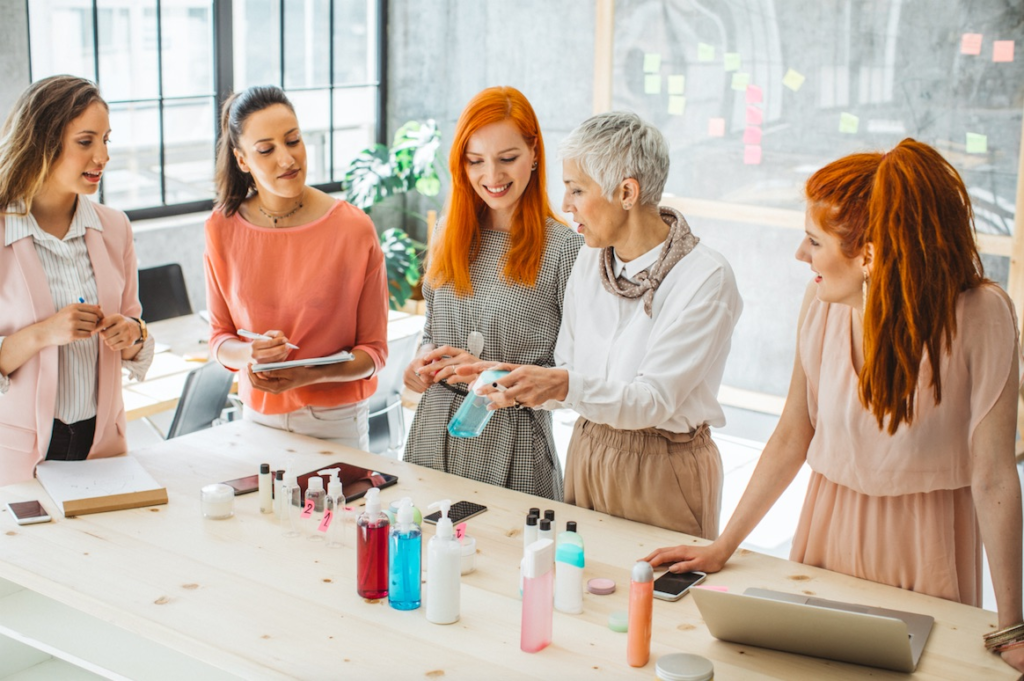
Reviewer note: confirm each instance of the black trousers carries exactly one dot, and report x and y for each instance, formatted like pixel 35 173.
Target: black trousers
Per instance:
pixel 71 441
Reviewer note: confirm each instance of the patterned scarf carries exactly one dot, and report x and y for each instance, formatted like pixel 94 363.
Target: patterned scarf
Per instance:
pixel 679 243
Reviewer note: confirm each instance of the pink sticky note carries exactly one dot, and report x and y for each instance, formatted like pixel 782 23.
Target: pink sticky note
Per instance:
pixel 307 510
pixel 970 43
pixel 754 116
pixel 752 135
pixel 325 522
pixel 712 587
pixel 1002 50
pixel 754 94
pixel 716 127
pixel 460 530
pixel 752 154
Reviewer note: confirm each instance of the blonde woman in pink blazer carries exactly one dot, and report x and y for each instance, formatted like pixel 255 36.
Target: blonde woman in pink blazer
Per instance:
pixel 69 305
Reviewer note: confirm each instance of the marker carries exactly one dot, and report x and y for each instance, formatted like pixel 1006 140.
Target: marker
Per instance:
pixel 259 336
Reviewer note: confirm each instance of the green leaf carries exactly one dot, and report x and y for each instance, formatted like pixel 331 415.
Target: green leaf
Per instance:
pixel 428 186
pixel 370 178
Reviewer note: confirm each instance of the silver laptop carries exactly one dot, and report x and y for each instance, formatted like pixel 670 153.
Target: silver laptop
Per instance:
pixel 876 637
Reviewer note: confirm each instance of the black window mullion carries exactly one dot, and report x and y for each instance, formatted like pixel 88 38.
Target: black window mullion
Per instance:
pixel 382 65
pixel 96 64
pixel 330 89
pixel 280 14
pixel 224 63
pixel 160 100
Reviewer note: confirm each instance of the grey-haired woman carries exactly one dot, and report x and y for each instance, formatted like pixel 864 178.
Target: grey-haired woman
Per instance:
pixel 647 325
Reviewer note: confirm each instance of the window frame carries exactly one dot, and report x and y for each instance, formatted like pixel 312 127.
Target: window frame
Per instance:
pixel 223 85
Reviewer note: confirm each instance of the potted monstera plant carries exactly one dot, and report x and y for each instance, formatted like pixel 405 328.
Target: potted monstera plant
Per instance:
pixel 379 173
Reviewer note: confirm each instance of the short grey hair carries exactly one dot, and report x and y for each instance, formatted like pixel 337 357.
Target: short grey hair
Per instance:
pixel 618 145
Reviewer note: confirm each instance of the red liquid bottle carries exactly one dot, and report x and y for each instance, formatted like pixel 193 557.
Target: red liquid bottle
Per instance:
pixel 372 549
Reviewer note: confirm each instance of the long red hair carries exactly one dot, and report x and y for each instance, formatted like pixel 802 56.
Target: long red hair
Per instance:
pixel 452 253
pixel 912 207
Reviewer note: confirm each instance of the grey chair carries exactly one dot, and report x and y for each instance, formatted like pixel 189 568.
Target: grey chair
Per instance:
pixel 162 293
pixel 202 400
pixel 387 419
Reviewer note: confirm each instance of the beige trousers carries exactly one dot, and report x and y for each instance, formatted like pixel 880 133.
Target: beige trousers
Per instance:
pixel 670 480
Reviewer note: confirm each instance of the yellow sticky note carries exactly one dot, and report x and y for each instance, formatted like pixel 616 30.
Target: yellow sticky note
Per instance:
pixel 848 123
pixel 732 61
pixel 976 143
pixel 793 80
pixel 676 85
pixel 705 52
pixel 652 84
pixel 676 105
pixel 740 81
pixel 652 62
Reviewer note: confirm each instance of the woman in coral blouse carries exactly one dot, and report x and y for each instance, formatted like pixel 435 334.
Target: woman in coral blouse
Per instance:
pixel 289 262
pixel 904 394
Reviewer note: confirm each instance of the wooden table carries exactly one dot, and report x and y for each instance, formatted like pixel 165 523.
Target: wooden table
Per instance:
pixel 238 596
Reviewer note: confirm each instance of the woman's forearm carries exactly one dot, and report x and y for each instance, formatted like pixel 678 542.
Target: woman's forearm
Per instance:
pixel 20 347
pixel 360 367
pixel 235 354
pixel 997 501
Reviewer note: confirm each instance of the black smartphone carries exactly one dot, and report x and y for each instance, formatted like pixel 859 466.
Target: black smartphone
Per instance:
pixel 355 481
pixel 28 512
pixel 672 586
pixel 249 483
pixel 460 510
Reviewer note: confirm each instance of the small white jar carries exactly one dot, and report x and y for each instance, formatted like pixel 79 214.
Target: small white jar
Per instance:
pixel 218 501
pixel 684 667
pixel 468 554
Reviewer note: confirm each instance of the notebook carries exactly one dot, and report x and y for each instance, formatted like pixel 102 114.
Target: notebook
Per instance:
pixel 99 485
pixel 343 356
pixel 847 632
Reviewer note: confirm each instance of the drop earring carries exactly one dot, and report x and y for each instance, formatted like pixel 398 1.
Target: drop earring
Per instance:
pixel 534 166
pixel 864 292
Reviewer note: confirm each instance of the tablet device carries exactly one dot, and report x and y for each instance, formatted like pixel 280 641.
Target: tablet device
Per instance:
pixel 355 481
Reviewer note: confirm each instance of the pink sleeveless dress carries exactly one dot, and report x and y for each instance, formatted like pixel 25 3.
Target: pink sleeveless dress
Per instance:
pixel 898 509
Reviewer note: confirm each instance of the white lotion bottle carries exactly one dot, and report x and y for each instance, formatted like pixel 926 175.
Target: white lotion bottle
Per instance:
pixel 266 489
pixel 444 570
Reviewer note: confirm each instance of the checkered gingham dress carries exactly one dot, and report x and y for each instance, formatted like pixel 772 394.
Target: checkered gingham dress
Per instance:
pixel 520 325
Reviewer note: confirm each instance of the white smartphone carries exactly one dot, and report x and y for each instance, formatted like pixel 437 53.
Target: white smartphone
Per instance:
pixel 28 512
pixel 672 586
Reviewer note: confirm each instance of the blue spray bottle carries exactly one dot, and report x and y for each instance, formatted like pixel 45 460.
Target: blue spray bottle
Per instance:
pixel 473 414
pixel 405 552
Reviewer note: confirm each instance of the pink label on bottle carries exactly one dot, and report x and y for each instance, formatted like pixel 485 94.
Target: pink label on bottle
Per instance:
pixel 307 510
pixel 460 531
pixel 326 522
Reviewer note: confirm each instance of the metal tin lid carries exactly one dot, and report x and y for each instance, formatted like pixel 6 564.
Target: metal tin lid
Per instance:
pixel 684 667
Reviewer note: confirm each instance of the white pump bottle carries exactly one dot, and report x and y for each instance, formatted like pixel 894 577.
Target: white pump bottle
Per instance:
pixel 444 570
pixel 335 505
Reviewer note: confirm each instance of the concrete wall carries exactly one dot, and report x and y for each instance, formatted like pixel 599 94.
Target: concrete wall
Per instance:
pixel 13 53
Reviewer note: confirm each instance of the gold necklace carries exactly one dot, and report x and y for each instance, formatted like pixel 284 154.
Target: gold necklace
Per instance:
pixel 281 216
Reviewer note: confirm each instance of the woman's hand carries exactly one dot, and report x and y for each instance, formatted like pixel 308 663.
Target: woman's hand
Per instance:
pixel 72 323
pixel 411 377
pixel 686 558
pixel 120 332
pixel 526 385
pixel 441 365
pixel 273 350
pixel 282 380
pixel 1014 658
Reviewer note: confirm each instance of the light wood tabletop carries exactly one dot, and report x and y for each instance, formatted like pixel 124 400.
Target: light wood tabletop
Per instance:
pixel 239 596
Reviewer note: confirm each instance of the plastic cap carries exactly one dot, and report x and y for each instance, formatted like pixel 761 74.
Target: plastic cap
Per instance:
pixel 684 667
pixel 535 511
pixel 539 559
pixel 531 521
pixel 444 525
pixel 334 486
pixel 405 511
pixel 316 484
pixel 264 468
pixel 279 475
pixel 373 501
pixel 642 572
pixel 570 526
pixel 545 525
pixel 549 515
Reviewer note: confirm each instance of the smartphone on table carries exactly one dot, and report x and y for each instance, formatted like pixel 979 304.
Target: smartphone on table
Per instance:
pixel 672 586
pixel 246 485
pixel 28 512
pixel 460 510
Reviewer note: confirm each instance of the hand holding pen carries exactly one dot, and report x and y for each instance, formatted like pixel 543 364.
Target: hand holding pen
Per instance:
pixel 264 336
pixel 273 346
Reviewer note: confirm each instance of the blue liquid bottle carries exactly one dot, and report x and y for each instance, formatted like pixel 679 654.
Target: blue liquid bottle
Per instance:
pixel 404 591
pixel 473 415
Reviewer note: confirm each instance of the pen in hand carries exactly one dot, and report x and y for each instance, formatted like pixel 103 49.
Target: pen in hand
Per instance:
pixel 259 336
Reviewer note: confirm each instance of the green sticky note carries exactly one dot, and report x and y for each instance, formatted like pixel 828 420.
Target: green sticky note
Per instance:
pixel 740 81
pixel 676 105
pixel 732 61
pixel 848 123
pixel 705 52
pixel 676 85
pixel 976 143
pixel 652 84
pixel 793 80
pixel 652 62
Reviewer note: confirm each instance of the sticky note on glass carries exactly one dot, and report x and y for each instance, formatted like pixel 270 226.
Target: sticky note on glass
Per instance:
pixel 1002 50
pixel 705 52
pixel 752 135
pixel 752 154
pixel 848 123
pixel 716 127
pixel 976 143
pixel 652 62
pixel 754 94
pixel 676 105
pixel 793 80
pixel 676 85
pixel 970 43
pixel 754 116
pixel 732 61
pixel 740 81
pixel 652 84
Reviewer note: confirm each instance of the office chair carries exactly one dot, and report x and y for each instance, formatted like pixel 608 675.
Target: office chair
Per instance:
pixel 162 293
pixel 387 420
pixel 202 400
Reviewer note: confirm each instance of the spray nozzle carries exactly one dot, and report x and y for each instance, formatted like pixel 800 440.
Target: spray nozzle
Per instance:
pixel 334 486
pixel 444 525
pixel 405 511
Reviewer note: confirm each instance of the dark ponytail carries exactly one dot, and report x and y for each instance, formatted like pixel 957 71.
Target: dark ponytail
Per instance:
pixel 233 185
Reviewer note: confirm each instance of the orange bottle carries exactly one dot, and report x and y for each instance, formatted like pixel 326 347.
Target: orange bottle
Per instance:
pixel 641 612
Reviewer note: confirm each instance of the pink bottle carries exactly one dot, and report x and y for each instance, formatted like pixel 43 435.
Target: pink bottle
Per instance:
pixel 538 595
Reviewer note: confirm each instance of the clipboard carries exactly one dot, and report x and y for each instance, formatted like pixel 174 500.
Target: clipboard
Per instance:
pixel 336 358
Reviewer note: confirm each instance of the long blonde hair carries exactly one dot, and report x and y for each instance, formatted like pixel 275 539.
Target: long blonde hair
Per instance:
pixel 32 138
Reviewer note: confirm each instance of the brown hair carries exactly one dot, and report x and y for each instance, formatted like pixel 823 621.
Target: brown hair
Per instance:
pixel 912 207
pixel 232 184
pixel 32 137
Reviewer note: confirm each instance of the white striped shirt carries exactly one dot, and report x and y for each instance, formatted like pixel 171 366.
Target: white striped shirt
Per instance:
pixel 70 276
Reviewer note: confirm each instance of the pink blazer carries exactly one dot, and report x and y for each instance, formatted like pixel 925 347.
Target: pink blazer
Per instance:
pixel 26 410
